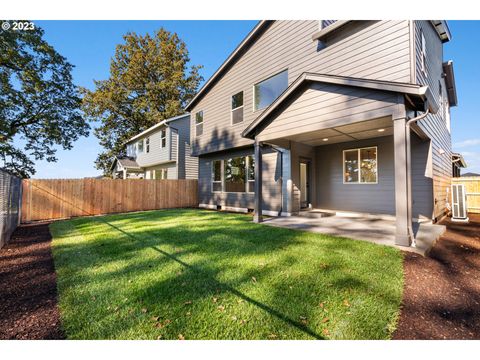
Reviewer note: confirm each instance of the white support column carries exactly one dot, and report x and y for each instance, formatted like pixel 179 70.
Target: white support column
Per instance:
pixel 124 174
pixel 257 216
pixel 403 201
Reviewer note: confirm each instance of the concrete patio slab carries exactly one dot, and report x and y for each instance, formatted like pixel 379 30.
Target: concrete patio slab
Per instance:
pixel 376 229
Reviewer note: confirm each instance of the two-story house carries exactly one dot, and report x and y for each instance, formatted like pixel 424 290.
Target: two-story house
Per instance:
pixel 337 115
pixel 162 151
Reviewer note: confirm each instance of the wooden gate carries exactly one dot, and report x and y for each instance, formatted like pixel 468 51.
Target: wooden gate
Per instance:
pixel 64 198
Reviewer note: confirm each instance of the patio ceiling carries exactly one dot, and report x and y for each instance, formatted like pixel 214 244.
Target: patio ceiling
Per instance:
pixel 357 131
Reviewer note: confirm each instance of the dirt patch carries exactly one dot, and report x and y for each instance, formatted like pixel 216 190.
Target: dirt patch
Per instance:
pixel 28 290
pixel 442 291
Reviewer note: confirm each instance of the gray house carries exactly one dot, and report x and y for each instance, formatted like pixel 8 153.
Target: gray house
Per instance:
pixel 160 152
pixel 337 115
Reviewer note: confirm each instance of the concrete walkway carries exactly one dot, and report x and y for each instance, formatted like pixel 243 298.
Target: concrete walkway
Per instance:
pixel 376 229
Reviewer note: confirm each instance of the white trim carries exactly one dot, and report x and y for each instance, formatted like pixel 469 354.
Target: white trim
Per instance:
pixel 359 166
pixel 270 213
pixel 161 123
pixel 235 209
pixel 261 81
pixel 238 107
pixel 207 206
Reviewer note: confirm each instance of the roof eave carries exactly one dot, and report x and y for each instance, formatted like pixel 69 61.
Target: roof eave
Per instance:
pixel 450 82
pixel 442 29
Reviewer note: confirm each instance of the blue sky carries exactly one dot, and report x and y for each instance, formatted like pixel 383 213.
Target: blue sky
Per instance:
pixel 89 45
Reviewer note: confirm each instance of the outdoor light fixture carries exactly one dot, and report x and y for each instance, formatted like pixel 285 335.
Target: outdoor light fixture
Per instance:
pixel 325 139
pixel 381 130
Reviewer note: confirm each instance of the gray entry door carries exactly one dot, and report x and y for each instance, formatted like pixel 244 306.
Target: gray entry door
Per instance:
pixel 304 184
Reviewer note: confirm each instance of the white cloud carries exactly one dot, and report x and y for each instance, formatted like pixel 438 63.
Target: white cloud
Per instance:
pixel 467 143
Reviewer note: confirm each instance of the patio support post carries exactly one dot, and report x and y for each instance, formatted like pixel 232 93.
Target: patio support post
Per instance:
pixel 257 216
pixel 124 174
pixel 403 203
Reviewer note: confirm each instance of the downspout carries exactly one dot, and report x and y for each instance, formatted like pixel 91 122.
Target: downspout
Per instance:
pixel 409 169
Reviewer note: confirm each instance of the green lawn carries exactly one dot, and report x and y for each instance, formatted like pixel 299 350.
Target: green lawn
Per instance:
pixel 197 274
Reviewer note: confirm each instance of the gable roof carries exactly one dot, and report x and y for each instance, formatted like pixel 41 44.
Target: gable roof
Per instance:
pixel 127 162
pixel 440 26
pixel 249 39
pixel 156 126
pixel 414 91
pixel 458 158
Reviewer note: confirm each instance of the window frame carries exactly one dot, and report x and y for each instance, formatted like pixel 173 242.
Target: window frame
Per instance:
pixel 147 144
pixel 261 81
pixel 138 147
pixel 238 107
pixel 163 138
pixel 213 176
pixel 197 124
pixel 423 53
pixel 359 151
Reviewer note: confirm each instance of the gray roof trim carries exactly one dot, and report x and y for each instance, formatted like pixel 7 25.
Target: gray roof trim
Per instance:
pixel 450 82
pixel 461 160
pixel 320 34
pixel 442 29
pixel 233 56
pixel 403 88
pixel 156 126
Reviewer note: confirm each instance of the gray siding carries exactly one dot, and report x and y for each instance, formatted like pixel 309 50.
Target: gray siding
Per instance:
pixel 367 49
pixel 321 106
pixel 435 125
pixel 333 194
pixel 271 182
pixel 157 154
pixel 422 182
pixel 187 164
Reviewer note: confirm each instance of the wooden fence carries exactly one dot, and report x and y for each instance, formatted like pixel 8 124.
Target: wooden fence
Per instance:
pixel 65 198
pixel 472 189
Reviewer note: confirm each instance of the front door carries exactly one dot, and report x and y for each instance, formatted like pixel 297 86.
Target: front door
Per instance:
pixel 304 184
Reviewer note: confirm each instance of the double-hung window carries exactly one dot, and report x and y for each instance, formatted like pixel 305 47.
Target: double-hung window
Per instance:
pixel 266 91
pixel 237 108
pixel 163 138
pixel 360 166
pixel 217 176
pixel 199 123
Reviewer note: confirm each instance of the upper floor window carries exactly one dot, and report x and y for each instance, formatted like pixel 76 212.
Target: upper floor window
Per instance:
pixel 265 92
pixel 423 59
pixel 140 147
pixel 147 145
pixel 199 123
pixel 237 108
pixel 360 166
pixel 163 138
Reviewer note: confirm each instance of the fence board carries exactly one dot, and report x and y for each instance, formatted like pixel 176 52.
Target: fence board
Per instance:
pixel 472 189
pixel 44 199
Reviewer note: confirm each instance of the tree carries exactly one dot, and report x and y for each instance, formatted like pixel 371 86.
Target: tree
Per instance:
pixel 150 81
pixel 39 104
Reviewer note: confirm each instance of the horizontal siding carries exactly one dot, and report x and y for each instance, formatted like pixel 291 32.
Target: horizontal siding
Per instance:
pixel 157 154
pixel 422 182
pixel 320 105
pixel 271 182
pixel 435 124
pixel 369 198
pixel 367 49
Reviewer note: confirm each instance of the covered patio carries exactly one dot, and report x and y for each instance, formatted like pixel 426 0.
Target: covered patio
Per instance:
pixel 321 118
pixel 378 229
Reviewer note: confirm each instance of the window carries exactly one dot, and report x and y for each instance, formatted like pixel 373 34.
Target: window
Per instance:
pixel 140 146
pixel 250 174
pixel 265 92
pixel 237 108
pixel 163 138
pixel 147 145
pixel 199 123
pixel 161 174
pixel 235 174
pixel 217 176
pixel 360 166
pixel 423 60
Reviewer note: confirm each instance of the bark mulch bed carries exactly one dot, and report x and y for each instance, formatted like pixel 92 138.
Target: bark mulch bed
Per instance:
pixel 28 290
pixel 442 291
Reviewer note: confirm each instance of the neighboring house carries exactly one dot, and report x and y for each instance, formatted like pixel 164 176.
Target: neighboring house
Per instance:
pixel 470 174
pixel 160 152
pixel 458 162
pixel 315 114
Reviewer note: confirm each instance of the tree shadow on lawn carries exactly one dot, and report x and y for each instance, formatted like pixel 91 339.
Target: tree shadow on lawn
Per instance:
pixel 199 282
